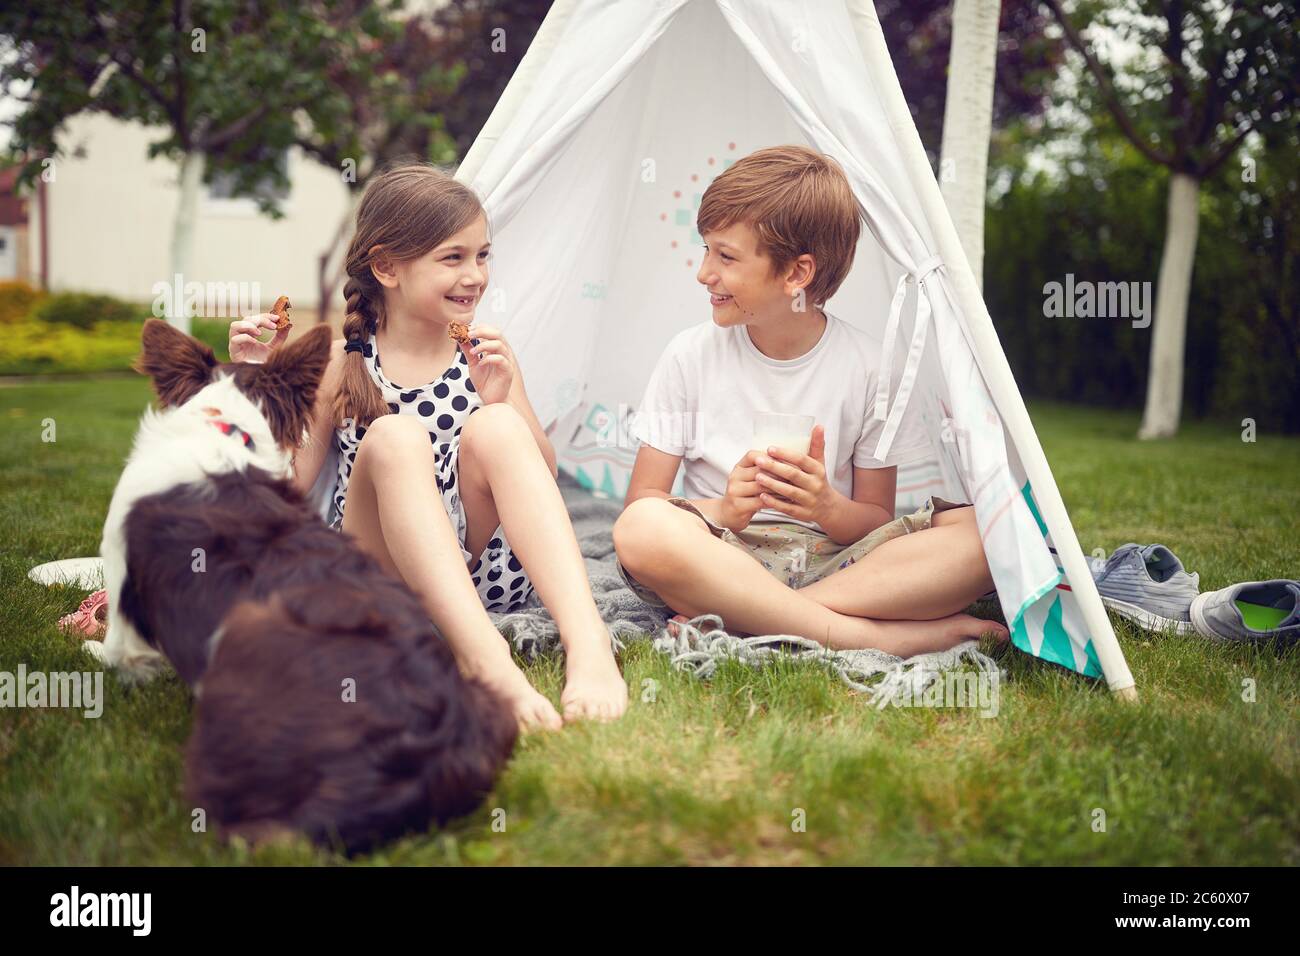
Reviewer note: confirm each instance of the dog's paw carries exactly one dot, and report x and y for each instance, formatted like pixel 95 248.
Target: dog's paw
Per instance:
pixel 141 668
pixel 96 650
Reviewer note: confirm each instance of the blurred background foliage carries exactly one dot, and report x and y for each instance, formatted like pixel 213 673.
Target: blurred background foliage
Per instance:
pixel 1102 219
pixel 1068 193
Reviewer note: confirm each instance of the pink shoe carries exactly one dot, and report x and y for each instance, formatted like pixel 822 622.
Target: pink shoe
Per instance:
pixel 90 620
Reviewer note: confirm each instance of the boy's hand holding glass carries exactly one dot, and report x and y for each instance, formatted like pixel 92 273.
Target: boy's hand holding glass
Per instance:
pixel 491 363
pixel 795 484
pixel 741 502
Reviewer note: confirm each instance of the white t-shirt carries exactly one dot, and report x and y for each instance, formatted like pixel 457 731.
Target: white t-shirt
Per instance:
pixel 711 381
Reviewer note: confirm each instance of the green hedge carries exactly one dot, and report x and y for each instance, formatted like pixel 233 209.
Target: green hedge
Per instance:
pixel 73 332
pixel 1103 220
pixel 17 300
pixel 34 347
pixel 86 310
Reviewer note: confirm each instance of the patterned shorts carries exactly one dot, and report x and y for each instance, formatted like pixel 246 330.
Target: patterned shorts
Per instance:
pixel 795 555
pixel 501 581
pixel 499 578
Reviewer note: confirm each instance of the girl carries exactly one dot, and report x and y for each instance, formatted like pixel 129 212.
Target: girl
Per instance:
pixel 445 474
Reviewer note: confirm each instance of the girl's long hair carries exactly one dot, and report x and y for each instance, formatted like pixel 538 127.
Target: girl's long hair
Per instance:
pixel 406 211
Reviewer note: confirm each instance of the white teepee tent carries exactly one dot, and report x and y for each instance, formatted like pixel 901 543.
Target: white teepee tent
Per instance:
pixel 591 168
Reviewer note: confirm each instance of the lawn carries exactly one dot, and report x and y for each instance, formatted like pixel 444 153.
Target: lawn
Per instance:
pixel 718 772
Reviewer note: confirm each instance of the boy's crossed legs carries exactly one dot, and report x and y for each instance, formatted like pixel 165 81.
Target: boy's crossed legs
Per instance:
pixel 901 597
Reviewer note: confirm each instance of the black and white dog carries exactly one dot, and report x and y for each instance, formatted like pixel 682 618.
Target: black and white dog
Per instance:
pixel 327 703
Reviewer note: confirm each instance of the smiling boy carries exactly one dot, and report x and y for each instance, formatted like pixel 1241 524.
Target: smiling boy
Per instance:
pixel 771 540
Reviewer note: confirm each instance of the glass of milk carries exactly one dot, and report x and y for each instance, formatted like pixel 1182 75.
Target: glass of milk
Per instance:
pixel 790 432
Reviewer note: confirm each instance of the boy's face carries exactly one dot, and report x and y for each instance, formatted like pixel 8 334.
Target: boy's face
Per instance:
pixel 739 278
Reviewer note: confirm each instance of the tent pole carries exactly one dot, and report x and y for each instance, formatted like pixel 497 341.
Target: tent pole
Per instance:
pixel 989 355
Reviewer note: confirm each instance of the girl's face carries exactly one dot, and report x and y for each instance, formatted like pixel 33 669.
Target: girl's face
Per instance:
pixel 446 283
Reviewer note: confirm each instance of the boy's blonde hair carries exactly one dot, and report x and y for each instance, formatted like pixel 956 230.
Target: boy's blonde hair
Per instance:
pixel 798 201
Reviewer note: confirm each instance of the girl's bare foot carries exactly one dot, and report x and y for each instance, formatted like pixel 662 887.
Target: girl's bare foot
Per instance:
pixel 593 687
pixel 532 710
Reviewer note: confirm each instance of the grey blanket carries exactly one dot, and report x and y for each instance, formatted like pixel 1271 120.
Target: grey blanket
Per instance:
pixel 702 644
pixel 531 629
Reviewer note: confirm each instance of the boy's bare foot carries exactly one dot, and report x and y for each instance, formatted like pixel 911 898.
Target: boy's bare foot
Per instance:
pixel 999 631
pixel 593 687
pixel 903 638
pixel 907 638
pixel 532 710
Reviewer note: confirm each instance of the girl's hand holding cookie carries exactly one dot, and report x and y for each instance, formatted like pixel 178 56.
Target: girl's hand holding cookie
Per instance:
pixel 491 363
pixel 245 337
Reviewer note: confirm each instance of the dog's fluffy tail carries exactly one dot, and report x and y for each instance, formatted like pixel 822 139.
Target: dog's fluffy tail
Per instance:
pixel 337 721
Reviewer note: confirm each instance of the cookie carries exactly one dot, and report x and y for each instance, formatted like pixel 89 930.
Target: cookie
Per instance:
pixel 281 312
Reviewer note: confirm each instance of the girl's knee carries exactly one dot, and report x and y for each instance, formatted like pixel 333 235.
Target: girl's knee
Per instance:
pixel 494 429
pixel 393 435
pixel 498 418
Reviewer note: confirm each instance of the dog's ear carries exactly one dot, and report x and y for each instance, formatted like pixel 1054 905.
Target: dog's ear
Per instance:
pixel 286 385
pixel 178 365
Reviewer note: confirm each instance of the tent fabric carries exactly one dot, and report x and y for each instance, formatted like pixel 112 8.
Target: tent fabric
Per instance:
pixel 591 169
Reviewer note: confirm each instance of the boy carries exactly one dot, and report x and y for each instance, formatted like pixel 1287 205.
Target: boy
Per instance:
pixel 771 540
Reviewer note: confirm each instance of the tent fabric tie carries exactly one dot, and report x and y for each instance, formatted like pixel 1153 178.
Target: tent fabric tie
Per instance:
pixel 893 417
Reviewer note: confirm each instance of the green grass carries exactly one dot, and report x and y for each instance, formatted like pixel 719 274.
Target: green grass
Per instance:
pixel 713 773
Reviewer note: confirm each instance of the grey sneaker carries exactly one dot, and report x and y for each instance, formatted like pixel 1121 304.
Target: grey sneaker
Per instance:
pixel 1148 585
pixel 1250 611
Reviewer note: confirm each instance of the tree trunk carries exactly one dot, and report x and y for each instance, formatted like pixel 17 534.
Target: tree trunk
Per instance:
pixel 1165 381
pixel 967 122
pixel 330 264
pixel 182 246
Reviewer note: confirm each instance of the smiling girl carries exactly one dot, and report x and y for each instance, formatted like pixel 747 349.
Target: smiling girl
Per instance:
pixel 445 474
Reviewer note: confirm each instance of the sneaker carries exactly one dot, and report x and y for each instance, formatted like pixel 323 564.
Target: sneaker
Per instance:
pixel 1249 611
pixel 1149 586
pixel 90 620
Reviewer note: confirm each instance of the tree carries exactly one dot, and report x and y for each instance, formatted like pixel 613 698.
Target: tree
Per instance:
pixel 968 121
pixel 1204 76
pixel 487 39
pixel 431 89
pixel 202 70
pixel 386 112
pixel 918 33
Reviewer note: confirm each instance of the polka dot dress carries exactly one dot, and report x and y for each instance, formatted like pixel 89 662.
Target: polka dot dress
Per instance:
pixel 441 407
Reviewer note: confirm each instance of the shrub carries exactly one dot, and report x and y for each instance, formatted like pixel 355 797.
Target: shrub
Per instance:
pixel 32 347
pixel 84 310
pixel 17 300
pixel 216 333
